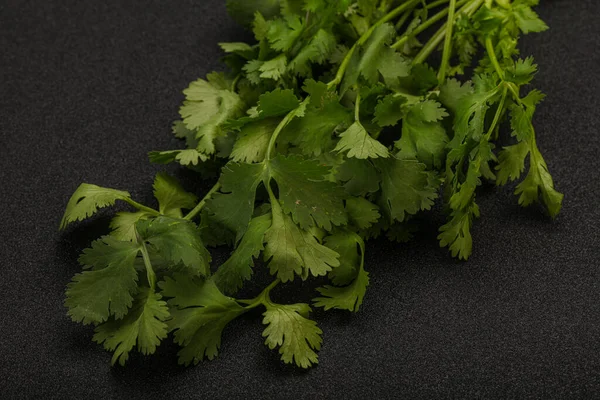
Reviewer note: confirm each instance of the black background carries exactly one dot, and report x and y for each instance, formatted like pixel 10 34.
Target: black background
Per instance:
pixel 87 88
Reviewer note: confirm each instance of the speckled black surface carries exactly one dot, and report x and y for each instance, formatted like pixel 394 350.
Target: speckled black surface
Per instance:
pixel 87 88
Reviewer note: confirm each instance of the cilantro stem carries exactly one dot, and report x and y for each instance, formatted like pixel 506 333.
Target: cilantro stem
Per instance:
pixel 425 25
pixel 447 43
pixel 262 299
pixel 202 203
pixel 141 207
pixel 363 39
pixel 284 122
pixel 489 47
pixel 437 38
pixel 357 108
pixel 146 257
pixel 498 114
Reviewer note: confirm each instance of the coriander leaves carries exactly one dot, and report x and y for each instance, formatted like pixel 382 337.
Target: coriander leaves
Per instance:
pixel 328 130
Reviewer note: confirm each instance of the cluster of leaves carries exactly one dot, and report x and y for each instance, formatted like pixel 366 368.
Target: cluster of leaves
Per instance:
pixel 295 126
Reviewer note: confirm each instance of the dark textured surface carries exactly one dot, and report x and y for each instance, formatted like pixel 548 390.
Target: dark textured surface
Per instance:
pixel 87 88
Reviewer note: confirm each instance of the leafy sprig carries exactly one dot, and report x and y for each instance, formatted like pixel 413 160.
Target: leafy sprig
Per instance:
pixel 295 126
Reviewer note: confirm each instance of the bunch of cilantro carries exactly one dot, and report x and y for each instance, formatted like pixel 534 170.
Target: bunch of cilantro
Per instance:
pixel 294 127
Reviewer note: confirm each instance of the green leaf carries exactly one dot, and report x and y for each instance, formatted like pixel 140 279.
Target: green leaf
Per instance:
pixel 244 10
pixel 373 52
pixel 317 51
pixel 360 176
pixel 297 336
pixel 206 108
pixel 171 196
pixel 177 241
pixel 390 110
pixel 233 207
pixel 93 296
pixel 283 32
pixel 521 72
pixel 527 19
pixel 306 194
pixel 143 325
pixel 344 243
pixel 423 137
pixel 291 250
pixel 123 224
pixel 200 313
pixel 344 298
pixel 362 212
pixel 274 69
pixel 253 140
pixel 313 133
pixel 538 181
pixel 511 162
pixel 359 144
pixel 456 234
pixel 87 199
pixel 405 187
pixel 238 268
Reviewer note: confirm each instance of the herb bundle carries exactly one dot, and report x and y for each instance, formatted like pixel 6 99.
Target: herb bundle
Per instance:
pixel 330 130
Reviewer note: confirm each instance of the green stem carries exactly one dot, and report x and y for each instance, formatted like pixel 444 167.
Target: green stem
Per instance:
pixel 363 39
pixel 262 299
pixel 498 114
pixel 489 47
pixel 146 257
pixel 437 38
pixel 284 122
pixel 202 203
pixel 447 43
pixel 357 108
pixel 427 24
pixel 141 207
pixel 404 17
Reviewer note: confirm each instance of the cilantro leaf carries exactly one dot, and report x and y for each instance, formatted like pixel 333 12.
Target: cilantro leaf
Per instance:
pixel 423 137
pixel 511 162
pixel 306 194
pixel 233 207
pixel 177 241
pixel 199 312
pixel 238 268
pixel 87 199
pixel 297 336
pixel 290 250
pixel 358 143
pixel 538 181
pixel 349 297
pixel 253 139
pixel 93 296
pixel 171 196
pixel 405 186
pixel 362 212
pixel 360 176
pixel 123 224
pixel 390 110
pixel 143 325
pixel 457 232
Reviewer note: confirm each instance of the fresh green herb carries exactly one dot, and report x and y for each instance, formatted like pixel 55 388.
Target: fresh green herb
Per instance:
pixel 295 126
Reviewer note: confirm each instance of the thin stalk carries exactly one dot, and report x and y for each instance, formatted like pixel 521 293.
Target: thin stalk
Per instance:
pixel 202 203
pixel 498 114
pixel 489 47
pixel 363 39
pixel 146 257
pixel 427 24
pixel 284 122
pixel 447 43
pixel 357 108
pixel 262 299
pixel 141 207
pixel 435 41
